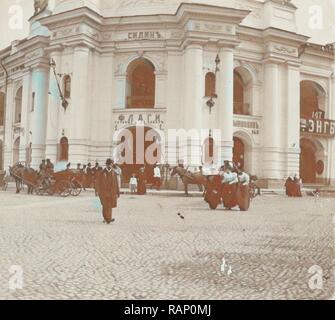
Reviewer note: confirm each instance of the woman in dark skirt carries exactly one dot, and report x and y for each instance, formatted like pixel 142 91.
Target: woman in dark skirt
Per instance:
pixel 141 188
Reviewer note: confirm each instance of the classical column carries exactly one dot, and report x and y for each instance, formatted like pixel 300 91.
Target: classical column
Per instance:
pixel 8 143
pixel 40 81
pixel 193 103
pixel 54 105
pixel 293 118
pixel 271 122
pixel 225 91
pixel 174 103
pixel 78 111
pixel 26 109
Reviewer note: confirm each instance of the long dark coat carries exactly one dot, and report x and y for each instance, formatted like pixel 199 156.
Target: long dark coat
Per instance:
pixel 107 188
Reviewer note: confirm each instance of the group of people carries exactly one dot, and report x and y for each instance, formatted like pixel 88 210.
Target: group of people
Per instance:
pixel 293 186
pixel 137 183
pixel 231 174
pixel 46 171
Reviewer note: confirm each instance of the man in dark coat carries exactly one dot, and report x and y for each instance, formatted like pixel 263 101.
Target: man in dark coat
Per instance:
pixel 108 190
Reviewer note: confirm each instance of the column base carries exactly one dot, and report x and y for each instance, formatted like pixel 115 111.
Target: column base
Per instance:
pixel 37 155
pixel 271 183
pixel 51 152
pixel 225 152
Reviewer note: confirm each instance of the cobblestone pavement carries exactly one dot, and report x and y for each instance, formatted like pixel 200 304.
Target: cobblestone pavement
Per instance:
pixel 152 253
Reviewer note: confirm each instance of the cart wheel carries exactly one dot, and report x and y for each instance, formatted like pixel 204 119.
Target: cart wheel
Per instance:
pixel 76 189
pixel 64 189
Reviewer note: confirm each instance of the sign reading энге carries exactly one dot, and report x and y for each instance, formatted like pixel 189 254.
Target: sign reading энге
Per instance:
pixel 318 126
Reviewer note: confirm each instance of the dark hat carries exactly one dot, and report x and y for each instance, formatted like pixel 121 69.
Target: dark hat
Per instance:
pixel 109 162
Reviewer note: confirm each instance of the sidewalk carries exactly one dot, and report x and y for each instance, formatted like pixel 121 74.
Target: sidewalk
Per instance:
pixel 195 194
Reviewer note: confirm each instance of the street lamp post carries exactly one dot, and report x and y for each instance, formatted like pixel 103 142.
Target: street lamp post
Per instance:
pixel 65 103
pixel 211 102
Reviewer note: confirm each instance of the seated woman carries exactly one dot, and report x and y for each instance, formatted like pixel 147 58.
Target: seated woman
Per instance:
pixel 229 187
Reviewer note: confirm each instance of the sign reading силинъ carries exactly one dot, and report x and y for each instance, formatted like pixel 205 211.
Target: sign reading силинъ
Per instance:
pixel 322 127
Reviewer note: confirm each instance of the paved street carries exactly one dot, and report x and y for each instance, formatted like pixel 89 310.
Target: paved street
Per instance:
pixel 152 253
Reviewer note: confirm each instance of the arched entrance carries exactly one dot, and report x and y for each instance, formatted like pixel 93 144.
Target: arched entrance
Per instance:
pixel 139 146
pixel 16 151
pixel 239 153
pixel 308 161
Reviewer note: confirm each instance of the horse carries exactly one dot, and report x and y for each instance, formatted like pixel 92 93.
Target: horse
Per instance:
pixel 23 175
pixel 196 178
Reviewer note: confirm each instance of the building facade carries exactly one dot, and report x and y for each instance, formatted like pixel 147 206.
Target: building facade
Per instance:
pixel 239 67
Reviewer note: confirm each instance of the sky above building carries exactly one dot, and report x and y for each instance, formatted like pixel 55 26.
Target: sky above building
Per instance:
pixel 321 31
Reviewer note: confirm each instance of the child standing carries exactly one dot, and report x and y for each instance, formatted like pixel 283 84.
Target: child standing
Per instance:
pixel 133 184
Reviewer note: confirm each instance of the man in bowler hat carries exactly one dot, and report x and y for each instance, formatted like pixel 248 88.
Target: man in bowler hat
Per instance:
pixel 108 190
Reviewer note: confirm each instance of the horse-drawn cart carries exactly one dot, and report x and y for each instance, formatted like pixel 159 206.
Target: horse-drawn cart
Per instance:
pixel 63 183
pixel 231 196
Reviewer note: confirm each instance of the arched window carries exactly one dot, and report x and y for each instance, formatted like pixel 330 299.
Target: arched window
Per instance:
pixel 238 94
pixel 16 151
pixel 64 149
pixel 312 100
pixel 2 108
pixel 141 83
pixel 18 106
pixel 210 85
pixel 243 91
pixel 208 151
pixel 67 87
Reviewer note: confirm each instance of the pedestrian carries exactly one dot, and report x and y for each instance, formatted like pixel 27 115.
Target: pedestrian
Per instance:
pixel 108 190
pixel 157 177
pixel 142 180
pixel 133 184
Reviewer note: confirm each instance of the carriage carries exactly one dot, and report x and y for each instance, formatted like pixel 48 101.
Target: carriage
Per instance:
pixel 63 183
pixel 231 196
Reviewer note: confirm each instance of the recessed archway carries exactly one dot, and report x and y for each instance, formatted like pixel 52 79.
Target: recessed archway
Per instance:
pixel 242 91
pixel 63 149
pixel 16 151
pixel 239 153
pixel 312 161
pixel 139 146
pixel 18 106
pixel 312 100
pixel 141 84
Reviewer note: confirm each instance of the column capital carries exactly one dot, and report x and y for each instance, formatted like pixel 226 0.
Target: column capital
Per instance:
pixel 228 44
pixel 296 65
pixel 82 48
pixel 194 43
